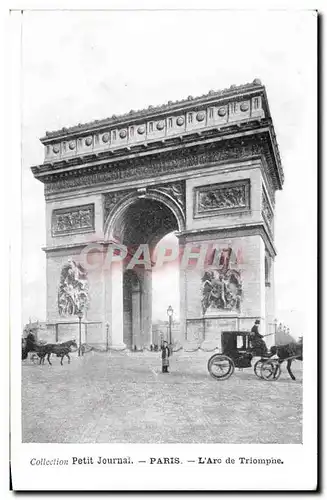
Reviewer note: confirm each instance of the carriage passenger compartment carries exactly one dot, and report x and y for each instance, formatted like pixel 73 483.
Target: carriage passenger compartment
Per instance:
pixel 232 341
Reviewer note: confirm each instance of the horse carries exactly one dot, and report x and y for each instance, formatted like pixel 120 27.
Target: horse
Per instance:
pixel 61 350
pixel 288 352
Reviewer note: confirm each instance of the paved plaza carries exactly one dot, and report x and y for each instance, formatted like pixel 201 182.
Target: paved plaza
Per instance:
pixel 121 397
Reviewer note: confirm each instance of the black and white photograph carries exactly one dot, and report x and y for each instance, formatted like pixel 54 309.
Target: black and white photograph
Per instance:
pixel 168 249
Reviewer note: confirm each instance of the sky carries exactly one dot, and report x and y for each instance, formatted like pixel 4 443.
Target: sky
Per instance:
pixel 81 66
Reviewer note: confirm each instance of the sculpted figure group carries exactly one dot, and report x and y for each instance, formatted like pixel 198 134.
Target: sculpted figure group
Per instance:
pixel 73 289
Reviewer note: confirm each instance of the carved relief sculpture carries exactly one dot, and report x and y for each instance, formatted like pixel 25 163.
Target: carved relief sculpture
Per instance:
pixel 176 191
pixel 111 200
pixel 266 210
pixel 73 220
pixel 73 293
pixel 223 197
pixel 222 287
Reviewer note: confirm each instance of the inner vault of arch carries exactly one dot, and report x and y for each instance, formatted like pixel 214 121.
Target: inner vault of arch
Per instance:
pixel 140 221
pixel 144 221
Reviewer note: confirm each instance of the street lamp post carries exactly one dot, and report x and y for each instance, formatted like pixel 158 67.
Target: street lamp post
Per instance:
pixel 80 316
pixel 170 312
pixel 107 336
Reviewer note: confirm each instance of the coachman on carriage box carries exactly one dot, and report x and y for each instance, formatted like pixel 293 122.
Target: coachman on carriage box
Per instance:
pixel 257 342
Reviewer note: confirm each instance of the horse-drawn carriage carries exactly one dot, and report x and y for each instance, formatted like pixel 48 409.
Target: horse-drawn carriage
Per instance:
pixel 37 351
pixel 238 352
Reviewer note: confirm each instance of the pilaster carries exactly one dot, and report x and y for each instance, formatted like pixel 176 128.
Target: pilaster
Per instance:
pixel 116 299
pixel 146 307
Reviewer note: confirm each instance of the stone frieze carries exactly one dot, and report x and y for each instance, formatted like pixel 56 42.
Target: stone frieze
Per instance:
pixel 221 198
pixel 181 161
pixel 72 220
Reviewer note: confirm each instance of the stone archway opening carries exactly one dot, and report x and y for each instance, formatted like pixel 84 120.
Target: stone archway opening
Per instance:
pixel 145 223
pixel 166 288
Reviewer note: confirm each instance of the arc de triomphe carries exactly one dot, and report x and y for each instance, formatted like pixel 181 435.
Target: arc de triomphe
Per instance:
pixel 208 169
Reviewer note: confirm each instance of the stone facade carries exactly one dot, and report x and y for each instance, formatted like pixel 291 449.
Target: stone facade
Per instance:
pixel 206 168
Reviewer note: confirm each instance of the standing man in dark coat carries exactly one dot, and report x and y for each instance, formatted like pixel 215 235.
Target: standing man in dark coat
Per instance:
pixel 30 340
pixel 165 353
pixel 28 344
pixel 257 342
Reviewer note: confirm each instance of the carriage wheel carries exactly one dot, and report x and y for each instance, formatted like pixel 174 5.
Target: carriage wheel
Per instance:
pixel 257 368
pixel 221 367
pixel 270 370
pixel 35 359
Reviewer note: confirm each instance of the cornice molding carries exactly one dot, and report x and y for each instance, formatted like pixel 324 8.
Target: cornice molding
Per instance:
pixel 232 231
pixel 156 165
pixel 78 246
pixel 167 144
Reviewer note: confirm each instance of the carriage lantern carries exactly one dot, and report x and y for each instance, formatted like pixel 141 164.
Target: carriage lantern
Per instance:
pixel 170 312
pixel 80 316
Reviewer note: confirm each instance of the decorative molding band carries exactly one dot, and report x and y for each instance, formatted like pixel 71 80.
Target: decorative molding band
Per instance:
pixel 73 220
pixel 233 231
pixel 72 248
pixel 222 198
pixel 178 161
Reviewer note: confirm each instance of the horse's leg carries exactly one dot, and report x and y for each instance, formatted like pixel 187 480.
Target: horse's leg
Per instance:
pixel 68 358
pixel 48 358
pixel 273 352
pixel 289 364
pixel 62 357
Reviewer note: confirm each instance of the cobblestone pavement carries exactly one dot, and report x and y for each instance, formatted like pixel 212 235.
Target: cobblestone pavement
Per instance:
pixel 120 397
